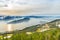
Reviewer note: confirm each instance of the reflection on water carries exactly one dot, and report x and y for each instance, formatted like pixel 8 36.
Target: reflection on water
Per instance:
pixel 19 26
pixel 9 27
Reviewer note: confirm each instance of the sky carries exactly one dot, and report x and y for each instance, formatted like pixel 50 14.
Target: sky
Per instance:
pixel 30 7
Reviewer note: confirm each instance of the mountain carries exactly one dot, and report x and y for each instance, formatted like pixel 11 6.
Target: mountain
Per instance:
pixel 19 21
pixel 52 24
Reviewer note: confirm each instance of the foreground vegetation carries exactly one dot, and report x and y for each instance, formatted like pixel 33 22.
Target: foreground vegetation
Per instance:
pixel 53 34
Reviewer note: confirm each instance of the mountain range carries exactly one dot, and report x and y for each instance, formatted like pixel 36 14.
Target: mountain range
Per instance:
pixel 19 19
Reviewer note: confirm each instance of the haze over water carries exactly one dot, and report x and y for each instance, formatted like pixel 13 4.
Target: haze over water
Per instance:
pixel 33 20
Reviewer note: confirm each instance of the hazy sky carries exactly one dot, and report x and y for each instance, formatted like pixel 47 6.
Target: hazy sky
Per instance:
pixel 29 7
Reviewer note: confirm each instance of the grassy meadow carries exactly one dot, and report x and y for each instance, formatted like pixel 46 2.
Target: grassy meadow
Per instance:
pixel 53 34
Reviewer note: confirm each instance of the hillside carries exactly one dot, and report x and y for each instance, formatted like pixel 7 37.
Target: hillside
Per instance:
pixel 52 24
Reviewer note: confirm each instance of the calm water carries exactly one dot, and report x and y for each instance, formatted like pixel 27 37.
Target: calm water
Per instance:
pixel 33 21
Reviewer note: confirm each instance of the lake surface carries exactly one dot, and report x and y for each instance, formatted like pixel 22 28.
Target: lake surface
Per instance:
pixel 19 26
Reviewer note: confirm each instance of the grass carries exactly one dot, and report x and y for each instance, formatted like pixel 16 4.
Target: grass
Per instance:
pixel 53 34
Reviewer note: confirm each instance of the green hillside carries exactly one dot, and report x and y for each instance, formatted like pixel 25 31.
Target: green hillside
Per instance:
pixel 52 24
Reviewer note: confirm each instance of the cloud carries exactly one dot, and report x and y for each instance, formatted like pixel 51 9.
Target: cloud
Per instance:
pixel 33 7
